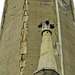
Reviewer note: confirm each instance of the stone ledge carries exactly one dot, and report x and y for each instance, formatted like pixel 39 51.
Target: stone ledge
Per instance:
pixel 46 72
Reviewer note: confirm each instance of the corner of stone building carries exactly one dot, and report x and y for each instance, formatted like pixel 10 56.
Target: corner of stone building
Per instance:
pixel 3 17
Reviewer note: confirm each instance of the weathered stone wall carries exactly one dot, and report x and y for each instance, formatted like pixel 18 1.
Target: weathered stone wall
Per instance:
pixel 68 41
pixel 39 11
pixel 10 38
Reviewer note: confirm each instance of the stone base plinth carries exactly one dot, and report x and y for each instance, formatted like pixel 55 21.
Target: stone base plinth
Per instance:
pixel 46 72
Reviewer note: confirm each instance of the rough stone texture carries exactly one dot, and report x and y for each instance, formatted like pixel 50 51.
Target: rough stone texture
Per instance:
pixel 39 11
pixel 46 72
pixel 68 41
pixel 10 38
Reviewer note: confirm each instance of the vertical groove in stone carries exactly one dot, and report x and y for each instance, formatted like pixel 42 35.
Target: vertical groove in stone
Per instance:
pixel 23 44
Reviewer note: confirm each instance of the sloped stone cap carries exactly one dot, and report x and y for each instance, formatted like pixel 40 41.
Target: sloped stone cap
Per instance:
pixel 46 72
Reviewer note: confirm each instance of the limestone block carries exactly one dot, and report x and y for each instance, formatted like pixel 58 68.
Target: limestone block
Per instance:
pixel 22 63
pixel 26 7
pixel 24 25
pixel 24 31
pixel 25 18
pixel 23 48
pixel 25 12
